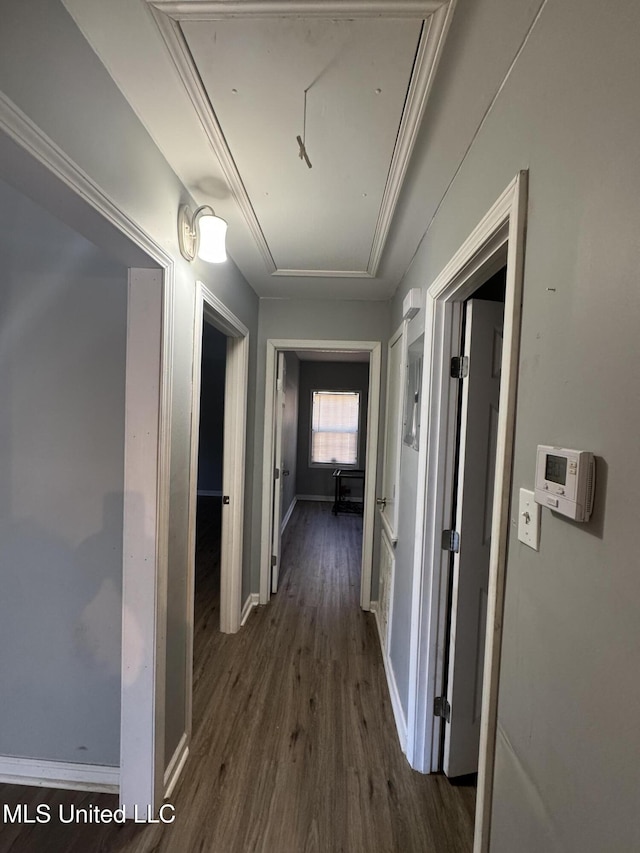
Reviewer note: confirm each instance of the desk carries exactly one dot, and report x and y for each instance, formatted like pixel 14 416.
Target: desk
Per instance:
pixel 339 504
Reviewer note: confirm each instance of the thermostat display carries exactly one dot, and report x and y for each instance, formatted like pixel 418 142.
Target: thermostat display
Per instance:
pixel 565 481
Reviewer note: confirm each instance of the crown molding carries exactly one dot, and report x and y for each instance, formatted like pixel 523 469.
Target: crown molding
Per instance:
pixel 216 10
pixel 434 31
pixel 18 127
pixel 322 273
pixel 435 15
pixel 186 67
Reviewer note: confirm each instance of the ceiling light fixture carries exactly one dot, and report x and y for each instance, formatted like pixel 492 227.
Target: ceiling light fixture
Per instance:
pixel 202 233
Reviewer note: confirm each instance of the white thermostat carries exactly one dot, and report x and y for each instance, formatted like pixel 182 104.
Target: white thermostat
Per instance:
pixel 565 481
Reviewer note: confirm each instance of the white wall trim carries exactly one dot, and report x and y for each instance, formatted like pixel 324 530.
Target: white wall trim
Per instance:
pixel 174 768
pixel 394 694
pixel 498 237
pixel 436 16
pixel 253 600
pixel 288 514
pixel 59 774
pixel 374 349
pixel 400 335
pixel 145 537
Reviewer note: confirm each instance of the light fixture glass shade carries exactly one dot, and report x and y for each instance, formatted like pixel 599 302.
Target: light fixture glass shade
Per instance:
pixel 213 232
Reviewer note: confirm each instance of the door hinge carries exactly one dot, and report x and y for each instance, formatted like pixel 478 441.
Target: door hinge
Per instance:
pixel 451 541
pixel 276 473
pixel 274 560
pixel 225 500
pixel 459 367
pixel 441 708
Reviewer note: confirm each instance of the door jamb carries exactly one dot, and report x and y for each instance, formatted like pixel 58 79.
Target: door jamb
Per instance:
pixel 208 306
pixel 401 338
pixel 373 409
pixel 499 236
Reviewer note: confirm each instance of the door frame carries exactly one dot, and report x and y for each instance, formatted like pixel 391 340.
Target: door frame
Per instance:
pixel 497 239
pixel 210 309
pixel 274 346
pixel 400 337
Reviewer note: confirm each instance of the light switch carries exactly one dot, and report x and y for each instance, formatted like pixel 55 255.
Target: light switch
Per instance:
pixel 529 520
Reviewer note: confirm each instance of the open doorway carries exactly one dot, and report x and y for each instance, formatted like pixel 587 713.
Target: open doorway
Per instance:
pixel 478 375
pixel 320 446
pixel 209 485
pixel 496 242
pixel 322 469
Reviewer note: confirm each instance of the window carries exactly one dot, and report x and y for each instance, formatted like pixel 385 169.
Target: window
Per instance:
pixel 334 427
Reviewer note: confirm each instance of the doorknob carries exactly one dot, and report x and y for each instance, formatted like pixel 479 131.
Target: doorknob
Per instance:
pixel 381 502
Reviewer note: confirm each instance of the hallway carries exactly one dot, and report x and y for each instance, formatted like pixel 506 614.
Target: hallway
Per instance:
pixel 294 745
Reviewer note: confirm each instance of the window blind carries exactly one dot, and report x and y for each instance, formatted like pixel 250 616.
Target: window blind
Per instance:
pixel 334 427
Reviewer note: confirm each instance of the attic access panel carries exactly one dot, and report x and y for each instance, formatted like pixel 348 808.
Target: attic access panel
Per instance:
pixel 357 73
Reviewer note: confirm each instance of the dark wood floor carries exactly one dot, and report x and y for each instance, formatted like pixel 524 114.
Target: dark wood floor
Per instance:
pixel 294 747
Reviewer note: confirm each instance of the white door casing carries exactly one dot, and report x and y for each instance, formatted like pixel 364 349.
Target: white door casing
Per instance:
pixel 396 361
pixel 276 546
pixel 233 478
pixel 498 238
pixel 480 398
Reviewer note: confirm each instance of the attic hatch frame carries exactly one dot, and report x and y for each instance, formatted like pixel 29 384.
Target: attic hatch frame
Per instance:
pixel 500 232
pixel 436 16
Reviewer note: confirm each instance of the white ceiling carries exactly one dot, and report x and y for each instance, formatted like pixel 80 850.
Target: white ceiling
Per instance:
pixel 220 85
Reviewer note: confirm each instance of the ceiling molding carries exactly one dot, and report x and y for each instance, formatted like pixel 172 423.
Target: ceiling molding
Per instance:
pixel 18 127
pixel 188 72
pixel 436 16
pixel 434 30
pixel 217 10
pixel 323 273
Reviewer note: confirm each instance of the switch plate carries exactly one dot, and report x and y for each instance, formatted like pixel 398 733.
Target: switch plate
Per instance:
pixel 529 520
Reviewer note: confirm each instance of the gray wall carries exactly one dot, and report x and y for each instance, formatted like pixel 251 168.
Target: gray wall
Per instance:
pixel 328 376
pixel 72 98
pixel 63 317
pixel 290 430
pixel 210 450
pixel 567 774
pixel 311 319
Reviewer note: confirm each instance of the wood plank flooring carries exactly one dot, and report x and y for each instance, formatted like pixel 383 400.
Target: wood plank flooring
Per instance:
pixel 294 747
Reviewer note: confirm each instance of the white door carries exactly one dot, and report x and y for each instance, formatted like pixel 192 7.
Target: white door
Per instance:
pixel 474 508
pixel 387 502
pixel 277 474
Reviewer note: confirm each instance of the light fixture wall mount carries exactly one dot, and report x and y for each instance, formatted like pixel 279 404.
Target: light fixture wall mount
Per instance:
pixel 201 233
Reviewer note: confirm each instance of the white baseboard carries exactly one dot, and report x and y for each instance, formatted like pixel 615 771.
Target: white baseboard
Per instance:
pixel 394 695
pixel 204 493
pixel 59 774
pixel 288 515
pixel 174 769
pixel 327 498
pixel 253 600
